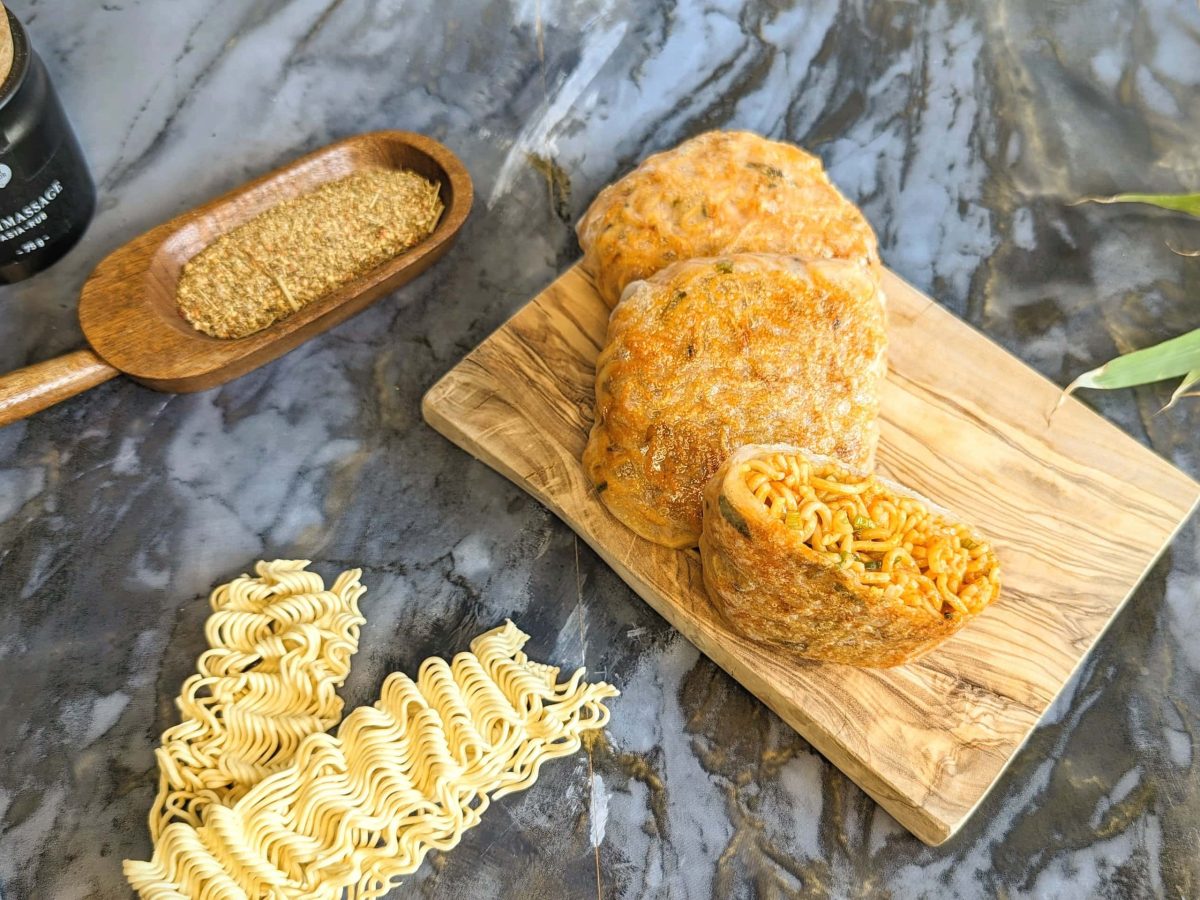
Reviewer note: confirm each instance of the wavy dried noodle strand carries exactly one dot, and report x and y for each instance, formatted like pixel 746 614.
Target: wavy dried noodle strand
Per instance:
pixel 914 555
pixel 410 774
pixel 280 646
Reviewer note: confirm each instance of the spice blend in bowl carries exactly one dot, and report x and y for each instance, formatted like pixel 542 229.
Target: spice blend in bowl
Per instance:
pixel 305 248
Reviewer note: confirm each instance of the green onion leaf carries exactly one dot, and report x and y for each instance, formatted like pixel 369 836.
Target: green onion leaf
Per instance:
pixel 772 172
pixel 873 565
pixel 1170 359
pixel 724 266
pixel 675 300
pixel 1184 203
pixel 732 516
pixel 861 523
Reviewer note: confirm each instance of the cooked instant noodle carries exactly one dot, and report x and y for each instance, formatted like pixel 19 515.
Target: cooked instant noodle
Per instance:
pixel 280 646
pixel 836 564
pixel 719 193
pixel 353 813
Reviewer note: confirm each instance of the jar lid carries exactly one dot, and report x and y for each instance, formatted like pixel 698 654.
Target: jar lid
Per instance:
pixel 20 62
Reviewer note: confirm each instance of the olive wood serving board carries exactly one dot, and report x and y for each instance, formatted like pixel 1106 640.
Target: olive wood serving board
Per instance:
pixel 1077 510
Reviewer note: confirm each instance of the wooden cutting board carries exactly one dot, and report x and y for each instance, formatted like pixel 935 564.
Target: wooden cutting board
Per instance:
pixel 1077 511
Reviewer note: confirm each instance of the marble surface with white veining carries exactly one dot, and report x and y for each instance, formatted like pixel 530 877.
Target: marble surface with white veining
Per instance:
pixel 965 129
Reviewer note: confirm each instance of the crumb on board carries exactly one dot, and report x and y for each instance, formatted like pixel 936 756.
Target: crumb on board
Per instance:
pixel 305 248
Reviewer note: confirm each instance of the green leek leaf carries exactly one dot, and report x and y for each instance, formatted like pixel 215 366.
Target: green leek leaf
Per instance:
pixel 1177 357
pixel 1170 359
pixel 1191 379
pixel 1184 203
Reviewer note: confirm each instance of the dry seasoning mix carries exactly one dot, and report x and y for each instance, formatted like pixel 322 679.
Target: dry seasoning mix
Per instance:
pixel 305 248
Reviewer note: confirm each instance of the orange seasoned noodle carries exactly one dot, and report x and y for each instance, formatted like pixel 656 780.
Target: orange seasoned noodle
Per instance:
pixel 888 542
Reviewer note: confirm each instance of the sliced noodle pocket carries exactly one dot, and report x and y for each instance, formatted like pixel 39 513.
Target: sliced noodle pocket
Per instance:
pixel 834 564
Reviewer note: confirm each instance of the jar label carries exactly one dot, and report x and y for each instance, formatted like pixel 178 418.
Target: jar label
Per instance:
pixel 28 225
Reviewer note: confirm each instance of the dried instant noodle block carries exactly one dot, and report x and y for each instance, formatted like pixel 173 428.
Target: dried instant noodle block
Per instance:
pixel 280 646
pixel 356 811
pixel 806 553
pixel 718 193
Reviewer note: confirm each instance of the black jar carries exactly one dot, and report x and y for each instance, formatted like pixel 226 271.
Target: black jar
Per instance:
pixel 46 193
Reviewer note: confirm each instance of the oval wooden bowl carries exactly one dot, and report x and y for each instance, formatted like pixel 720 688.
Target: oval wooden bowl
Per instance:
pixel 127 305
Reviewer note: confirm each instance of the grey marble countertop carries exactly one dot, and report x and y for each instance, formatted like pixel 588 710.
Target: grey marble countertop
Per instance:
pixel 964 129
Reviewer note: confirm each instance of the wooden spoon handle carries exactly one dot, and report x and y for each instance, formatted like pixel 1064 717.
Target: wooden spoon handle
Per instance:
pixel 36 387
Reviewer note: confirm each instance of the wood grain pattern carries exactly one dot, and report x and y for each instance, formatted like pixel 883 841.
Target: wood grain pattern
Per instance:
pixel 40 386
pixel 127 307
pixel 1077 510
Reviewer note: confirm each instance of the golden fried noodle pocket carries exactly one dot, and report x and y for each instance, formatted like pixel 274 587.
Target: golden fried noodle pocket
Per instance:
pixel 836 565
pixel 709 355
pixel 719 193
